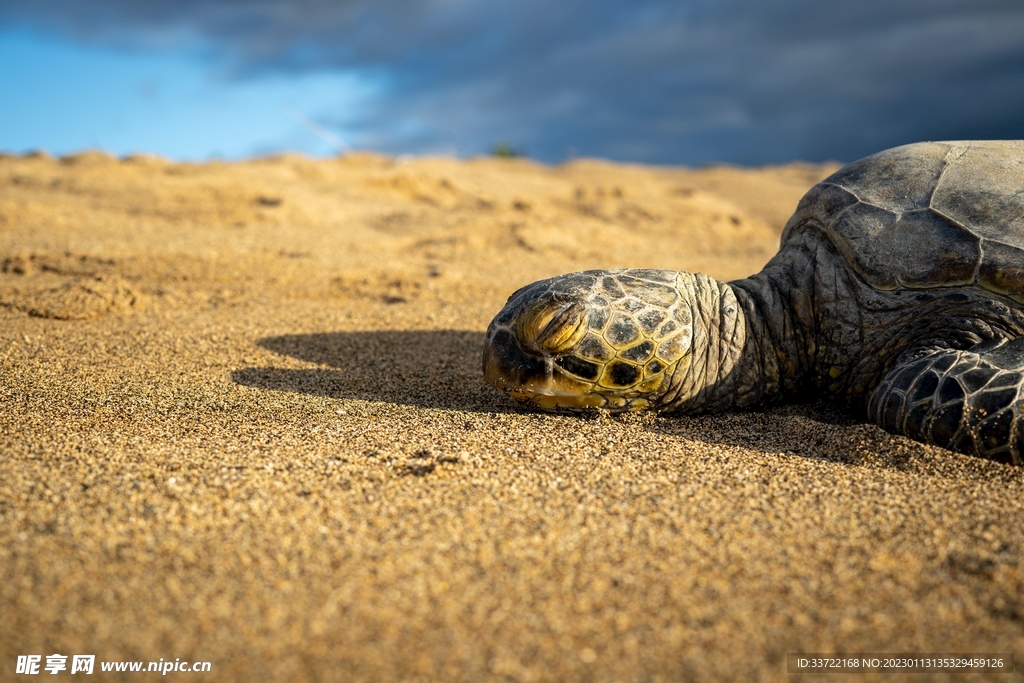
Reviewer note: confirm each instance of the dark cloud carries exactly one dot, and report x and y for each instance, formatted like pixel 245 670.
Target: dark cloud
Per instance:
pixel 683 81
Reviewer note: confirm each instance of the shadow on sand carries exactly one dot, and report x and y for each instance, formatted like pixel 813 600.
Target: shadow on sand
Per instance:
pixel 441 369
pixel 430 369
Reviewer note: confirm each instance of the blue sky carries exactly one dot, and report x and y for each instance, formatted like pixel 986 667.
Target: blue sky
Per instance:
pixel 65 96
pixel 657 81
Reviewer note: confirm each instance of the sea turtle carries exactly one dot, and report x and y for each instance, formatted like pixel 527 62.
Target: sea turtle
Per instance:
pixel 898 290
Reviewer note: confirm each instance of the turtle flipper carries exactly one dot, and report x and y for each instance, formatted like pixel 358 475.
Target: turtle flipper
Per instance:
pixel 968 401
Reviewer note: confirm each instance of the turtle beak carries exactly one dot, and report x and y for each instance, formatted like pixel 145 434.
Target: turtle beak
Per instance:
pixel 507 368
pixel 530 378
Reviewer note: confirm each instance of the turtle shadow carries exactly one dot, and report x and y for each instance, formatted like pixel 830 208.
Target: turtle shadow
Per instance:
pixel 813 430
pixel 822 431
pixel 424 368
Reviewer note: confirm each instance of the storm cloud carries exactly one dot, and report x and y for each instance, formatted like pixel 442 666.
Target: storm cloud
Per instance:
pixel 686 81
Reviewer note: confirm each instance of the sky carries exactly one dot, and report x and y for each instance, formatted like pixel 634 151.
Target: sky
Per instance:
pixel 653 81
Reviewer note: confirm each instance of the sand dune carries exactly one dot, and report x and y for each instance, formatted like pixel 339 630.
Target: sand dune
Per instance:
pixel 242 421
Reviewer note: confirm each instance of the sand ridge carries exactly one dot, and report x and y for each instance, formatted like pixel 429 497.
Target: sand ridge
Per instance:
pixel 243 422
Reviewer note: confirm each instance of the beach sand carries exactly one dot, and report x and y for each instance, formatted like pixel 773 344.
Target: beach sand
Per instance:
pixel 242 421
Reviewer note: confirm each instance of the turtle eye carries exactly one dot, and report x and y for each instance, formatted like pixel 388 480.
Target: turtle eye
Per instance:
pixel 553 326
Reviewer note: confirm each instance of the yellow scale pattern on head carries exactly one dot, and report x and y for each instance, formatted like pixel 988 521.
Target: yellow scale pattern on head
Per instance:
pixel 638 329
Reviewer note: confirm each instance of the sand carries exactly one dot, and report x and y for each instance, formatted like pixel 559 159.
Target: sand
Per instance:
pixel 243 421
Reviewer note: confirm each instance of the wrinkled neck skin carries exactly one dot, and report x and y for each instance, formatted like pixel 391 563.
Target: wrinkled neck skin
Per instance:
pixel 746 350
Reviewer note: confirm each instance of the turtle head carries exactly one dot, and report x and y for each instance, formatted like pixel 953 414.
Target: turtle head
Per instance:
pixel 608 339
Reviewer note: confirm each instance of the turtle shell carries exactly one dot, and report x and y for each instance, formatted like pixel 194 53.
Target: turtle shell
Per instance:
pixel 933 214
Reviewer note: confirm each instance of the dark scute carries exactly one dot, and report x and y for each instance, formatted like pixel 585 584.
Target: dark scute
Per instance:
pixel 934 250
pixel 964 363
pixel 944 362
pixel 668 276
pixel 668 327
pixel 657 295
pixel 640 352
pixel 993 401
pixel 623 374
pixel 913 425
pixel 632 283
pixel 946 423
pixel 598 319
pixel 987 345
pixel 654 367
pixel 900 179
pixel 622 331
pixel 505 316
pixel 924 387
pixel 950 390
pixel 577 366
pixel 891 413
pixel 574 284
pixel 1002 268
pixel 918 366
pixel 981 189
pixel 650 319
pixel 994 431
pixel 633 305
pixel 1009 356
pixel 592 347
pixel 825 199
pixel 865 238
pixel 531 291
pixel 611 288
pixel 1006 379
pixel 906 378
pixel 976 379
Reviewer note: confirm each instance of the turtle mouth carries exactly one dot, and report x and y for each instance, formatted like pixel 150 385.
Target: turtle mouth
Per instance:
pixel 533 379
